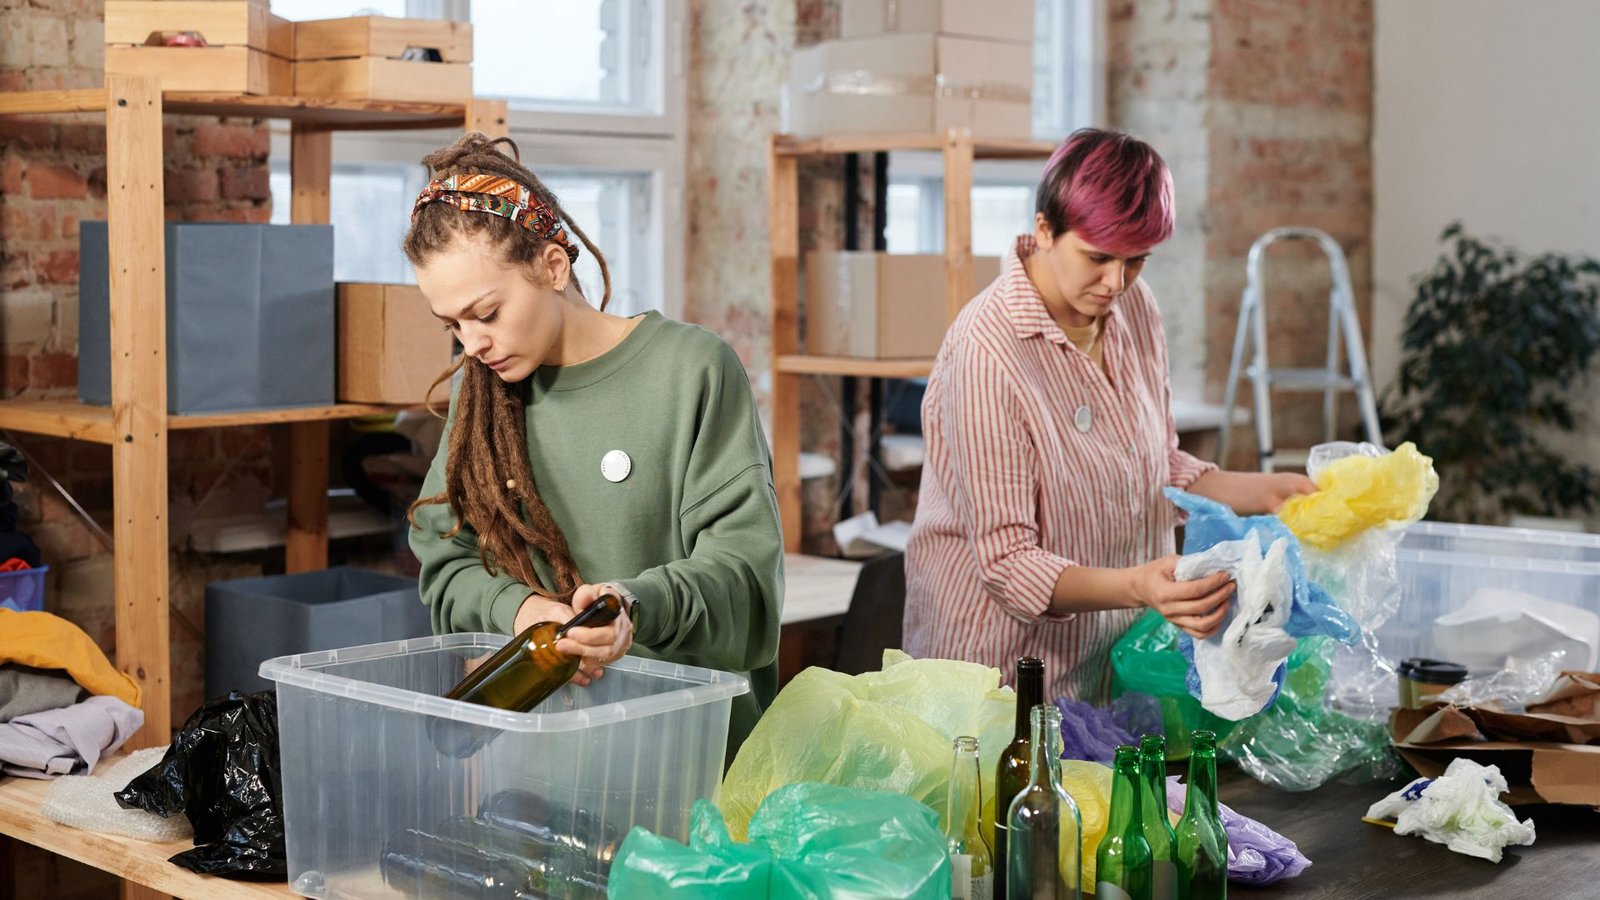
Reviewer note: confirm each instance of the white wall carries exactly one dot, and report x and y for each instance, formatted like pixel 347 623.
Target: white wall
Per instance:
pixel 1486 111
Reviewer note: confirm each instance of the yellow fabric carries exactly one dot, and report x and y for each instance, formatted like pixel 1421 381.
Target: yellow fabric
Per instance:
pixel 1361 492
pixel 47 641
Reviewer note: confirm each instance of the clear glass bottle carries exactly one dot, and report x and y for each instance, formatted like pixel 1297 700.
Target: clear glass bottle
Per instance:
pixel 971 865
pixel 1202 842
pixel 1045 829
pixel 1153 812
pixel 1011 772
pixel 1122 863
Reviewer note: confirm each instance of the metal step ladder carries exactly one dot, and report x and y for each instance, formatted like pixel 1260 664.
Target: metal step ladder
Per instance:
pixel 1342 325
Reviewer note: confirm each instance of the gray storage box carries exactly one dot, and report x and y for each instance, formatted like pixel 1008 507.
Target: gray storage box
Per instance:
pixel 250 620
pixel 250 316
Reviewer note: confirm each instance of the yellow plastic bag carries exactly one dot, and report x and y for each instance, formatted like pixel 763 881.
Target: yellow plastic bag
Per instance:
pixel 882 731
pixel 1360 492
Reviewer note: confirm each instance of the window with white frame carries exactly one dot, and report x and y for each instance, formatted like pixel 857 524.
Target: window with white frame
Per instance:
pixel 599 120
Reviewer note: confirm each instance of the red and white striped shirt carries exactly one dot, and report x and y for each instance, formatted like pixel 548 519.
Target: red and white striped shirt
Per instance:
pixel 1037 460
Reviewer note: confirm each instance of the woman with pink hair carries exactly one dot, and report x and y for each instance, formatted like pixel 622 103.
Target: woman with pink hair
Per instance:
pixel 1041 527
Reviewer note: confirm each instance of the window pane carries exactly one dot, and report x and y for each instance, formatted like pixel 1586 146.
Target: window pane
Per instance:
pixel 905 218
pixel 999 214
pixel 588 55
pixel 613 209
pixel 369 205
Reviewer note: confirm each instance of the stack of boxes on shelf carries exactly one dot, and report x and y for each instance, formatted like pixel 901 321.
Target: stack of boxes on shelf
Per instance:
pixel 906 67
pixel 918 66
pixel 239 47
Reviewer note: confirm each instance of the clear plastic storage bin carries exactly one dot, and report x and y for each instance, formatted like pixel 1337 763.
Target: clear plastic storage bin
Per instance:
pixel 1441 566
pixel 359 732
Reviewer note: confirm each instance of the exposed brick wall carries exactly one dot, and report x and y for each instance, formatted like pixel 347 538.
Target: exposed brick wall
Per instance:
pixel 52 177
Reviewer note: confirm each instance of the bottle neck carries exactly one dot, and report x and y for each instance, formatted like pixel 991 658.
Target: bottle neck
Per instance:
pixel 1202 782
pixel 1030 693
pixel 1045 751
pixel 1125 813
pixel 963 797
pixel 1152 771
pixel 602 611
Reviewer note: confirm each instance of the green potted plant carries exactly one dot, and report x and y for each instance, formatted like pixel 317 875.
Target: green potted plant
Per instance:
pixel 1495 349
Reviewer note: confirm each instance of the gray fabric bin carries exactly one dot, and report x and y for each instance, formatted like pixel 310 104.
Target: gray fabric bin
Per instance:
pixel 250 316
pixel 251 620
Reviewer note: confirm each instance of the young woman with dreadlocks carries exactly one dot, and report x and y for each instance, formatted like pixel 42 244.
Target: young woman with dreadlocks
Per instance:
pixel 584 450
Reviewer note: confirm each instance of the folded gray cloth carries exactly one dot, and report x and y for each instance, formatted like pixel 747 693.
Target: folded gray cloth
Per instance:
pixel 24 690
pixel 67 740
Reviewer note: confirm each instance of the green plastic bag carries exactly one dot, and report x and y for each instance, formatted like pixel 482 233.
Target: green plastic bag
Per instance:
pixel 881 731
pixel 807 842
pixel 1146 660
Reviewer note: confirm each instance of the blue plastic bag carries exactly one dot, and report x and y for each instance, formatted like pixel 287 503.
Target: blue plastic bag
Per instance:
pixel 808 841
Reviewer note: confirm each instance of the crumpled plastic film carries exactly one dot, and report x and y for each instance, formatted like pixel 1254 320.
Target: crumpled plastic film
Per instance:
pixel 1360 488
pixel 807 841
pixel 886 731
pixel 85 801
pixel 1460 809
pixel 1091 732
pixel 1236 672
pixel 1520 683
pixel 1298 743
pixel 1256 853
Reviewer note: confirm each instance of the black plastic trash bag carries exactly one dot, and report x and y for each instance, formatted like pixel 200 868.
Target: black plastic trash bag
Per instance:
pixel 222 772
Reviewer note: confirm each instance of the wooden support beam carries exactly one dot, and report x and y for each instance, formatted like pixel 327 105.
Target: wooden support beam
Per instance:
pixel 306 543
pixel 492 117
pixel 783 200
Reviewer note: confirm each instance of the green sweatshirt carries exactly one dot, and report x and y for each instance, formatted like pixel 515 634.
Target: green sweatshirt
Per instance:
pixel 692 530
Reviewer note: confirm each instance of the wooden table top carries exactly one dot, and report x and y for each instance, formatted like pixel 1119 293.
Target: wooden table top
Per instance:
pixel 1355 860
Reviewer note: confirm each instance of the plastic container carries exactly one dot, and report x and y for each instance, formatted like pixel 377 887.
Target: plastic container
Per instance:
pixel 23 590
pixel 250 620
pixel 637 747
pixel 1440 567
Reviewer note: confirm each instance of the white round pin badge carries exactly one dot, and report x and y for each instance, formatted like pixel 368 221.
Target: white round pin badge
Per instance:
pixel 615 466
pixel 1083 418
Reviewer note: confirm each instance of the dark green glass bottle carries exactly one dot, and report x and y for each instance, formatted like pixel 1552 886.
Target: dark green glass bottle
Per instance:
pixel 1122 864
pixel 422 865
pixel 1202 842
pixel 1153 811
pixel 517 677
pixel 1012 771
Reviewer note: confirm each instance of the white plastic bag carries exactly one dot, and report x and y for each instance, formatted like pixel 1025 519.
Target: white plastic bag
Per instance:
pixel 1460 809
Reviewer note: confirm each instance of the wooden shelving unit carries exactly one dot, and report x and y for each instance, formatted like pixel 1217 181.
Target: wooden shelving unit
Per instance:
pixel 789 364
pixel 136 423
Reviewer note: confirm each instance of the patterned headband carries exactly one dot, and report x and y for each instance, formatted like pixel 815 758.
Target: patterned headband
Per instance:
pixel 500 196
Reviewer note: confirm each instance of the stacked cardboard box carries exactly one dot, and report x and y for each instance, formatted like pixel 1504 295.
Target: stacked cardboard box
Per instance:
pixel 918 66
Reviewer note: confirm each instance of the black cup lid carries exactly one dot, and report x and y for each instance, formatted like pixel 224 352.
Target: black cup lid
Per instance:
pixel 1432 671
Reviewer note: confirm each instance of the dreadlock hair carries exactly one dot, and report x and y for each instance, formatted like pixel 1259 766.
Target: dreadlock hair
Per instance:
pixel 489 483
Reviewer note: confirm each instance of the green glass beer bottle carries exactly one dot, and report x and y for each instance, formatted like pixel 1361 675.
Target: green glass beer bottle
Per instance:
pixel 1045 836
pixel 1202 842
pixel 1153 811
pixel 971 866
pixel 1122 864
pixel 1012 771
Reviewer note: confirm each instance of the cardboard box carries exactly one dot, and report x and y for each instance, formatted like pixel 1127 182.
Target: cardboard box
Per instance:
pixel 1545 757
pixel 1001 20
pixel 247 51
pixel 391 349
pixel 912 83
pixel 880 305
pixel 250 316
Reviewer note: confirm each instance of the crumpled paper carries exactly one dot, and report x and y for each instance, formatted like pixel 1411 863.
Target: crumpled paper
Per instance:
pixel 1460 809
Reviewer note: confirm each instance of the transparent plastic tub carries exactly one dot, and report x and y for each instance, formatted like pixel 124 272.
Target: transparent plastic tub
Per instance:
pixel 1441 566
pixel 358 730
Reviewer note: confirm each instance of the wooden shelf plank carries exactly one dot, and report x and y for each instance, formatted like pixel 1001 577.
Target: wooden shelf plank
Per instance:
pixel 58 418
pixel 84 422
pixel 328 111
pixel 278 416
pixel 802 364
pixel 20 103
pixel 789 145
pixel 142 862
